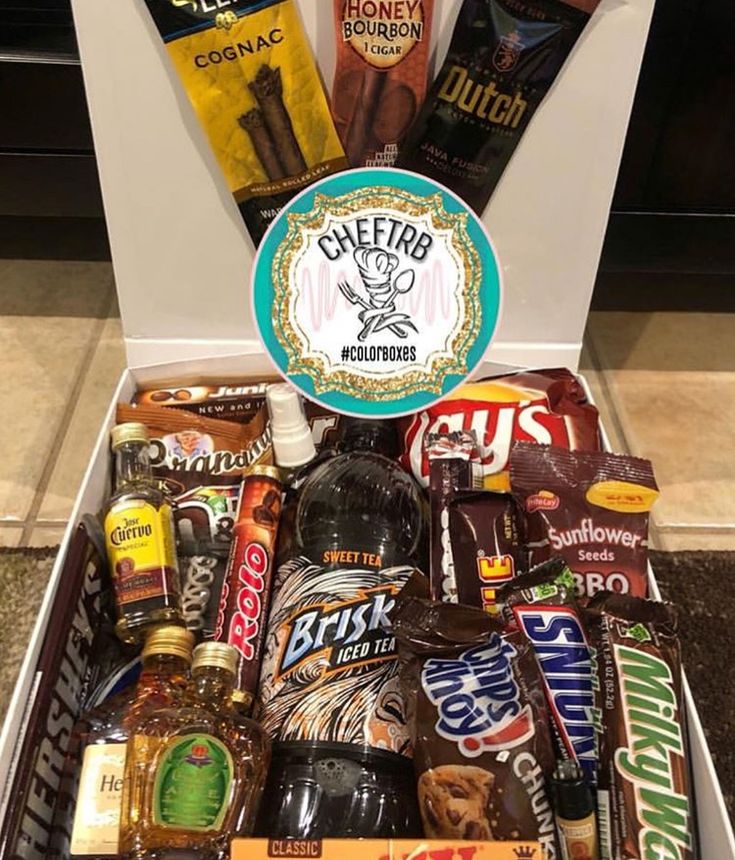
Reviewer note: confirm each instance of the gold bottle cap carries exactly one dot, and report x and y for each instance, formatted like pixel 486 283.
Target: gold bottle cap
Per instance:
pixel 176 641
pixel 217 655
pixel 266 471
pixel 130 432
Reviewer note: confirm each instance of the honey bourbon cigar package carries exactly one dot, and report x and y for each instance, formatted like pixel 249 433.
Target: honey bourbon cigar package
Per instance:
pixel 502 60
pixel 381 76
pixel 251 77
pixel 646 807
pixel 482 750
pixel 592 508
pixel 544 406
pixel 541 605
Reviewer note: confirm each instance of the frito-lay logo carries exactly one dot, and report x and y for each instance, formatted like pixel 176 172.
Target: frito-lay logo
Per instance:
pixel 508 52
pixel 383 33
pixel 348 632
pixel 564 659
pixel 544 500
pixel 477 698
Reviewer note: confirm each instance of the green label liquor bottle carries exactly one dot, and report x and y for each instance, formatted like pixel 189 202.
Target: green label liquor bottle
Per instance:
pixel 87 816
pixel 194 774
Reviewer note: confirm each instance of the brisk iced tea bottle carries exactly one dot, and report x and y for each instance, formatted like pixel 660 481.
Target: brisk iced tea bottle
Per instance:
pixel 329 691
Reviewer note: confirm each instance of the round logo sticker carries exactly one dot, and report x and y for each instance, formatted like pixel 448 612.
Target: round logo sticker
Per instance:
pixel 376 292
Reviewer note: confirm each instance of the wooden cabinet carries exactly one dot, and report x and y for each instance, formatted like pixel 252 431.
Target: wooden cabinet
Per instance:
pixel 678 155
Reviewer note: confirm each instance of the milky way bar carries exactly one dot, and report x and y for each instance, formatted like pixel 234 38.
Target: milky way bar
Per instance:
pixel 645 793
pixel 542 605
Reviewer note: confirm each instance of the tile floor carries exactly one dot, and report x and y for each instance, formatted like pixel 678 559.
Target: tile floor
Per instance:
pixel 664 382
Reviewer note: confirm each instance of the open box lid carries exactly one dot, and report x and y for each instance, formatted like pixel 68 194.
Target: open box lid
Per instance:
pixel 181 253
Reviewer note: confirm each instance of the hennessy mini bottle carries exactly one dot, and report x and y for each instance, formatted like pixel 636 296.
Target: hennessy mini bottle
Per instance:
pixel 140 538
pixel 87 816
pixel 194 775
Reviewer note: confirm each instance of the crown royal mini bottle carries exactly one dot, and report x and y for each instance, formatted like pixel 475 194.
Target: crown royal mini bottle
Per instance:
pixel 87 815
pixel 194 774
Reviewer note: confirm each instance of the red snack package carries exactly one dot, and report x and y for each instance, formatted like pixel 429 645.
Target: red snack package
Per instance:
pixel 546 406
pixel 592 508
pixel 482 750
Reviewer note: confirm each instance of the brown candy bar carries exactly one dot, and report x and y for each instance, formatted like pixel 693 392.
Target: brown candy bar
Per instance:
pixel 248 579
pixel 189 450
pixel 542 606
pixel 238 401
pixel 450 457
pixel 487 550
pixel 592 509
pixel 482 749
pixel 645 792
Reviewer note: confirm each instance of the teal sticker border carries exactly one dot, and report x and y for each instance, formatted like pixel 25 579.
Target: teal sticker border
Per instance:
pixel 263 294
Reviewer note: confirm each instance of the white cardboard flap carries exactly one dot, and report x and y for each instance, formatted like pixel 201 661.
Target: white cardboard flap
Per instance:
pixel 181 252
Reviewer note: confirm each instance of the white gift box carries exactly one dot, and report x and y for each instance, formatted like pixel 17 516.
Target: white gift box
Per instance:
pixel 31 793
pixel 182 263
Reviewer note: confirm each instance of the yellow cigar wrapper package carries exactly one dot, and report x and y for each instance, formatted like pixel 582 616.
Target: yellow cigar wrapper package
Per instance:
pixel 250 74
pixel 384 849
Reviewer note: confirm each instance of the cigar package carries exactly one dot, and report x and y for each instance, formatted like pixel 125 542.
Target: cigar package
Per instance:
pixel 503 59
pixel 381 76
pixel 251 77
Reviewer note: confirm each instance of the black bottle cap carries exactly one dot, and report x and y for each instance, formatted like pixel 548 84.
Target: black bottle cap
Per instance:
pixel 571 794
pixel 365 434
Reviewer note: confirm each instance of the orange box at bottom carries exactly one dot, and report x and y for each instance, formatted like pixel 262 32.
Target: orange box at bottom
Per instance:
pixel 383 849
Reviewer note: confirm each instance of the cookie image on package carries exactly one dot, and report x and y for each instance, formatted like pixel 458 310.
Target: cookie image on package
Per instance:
pixel 454 801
